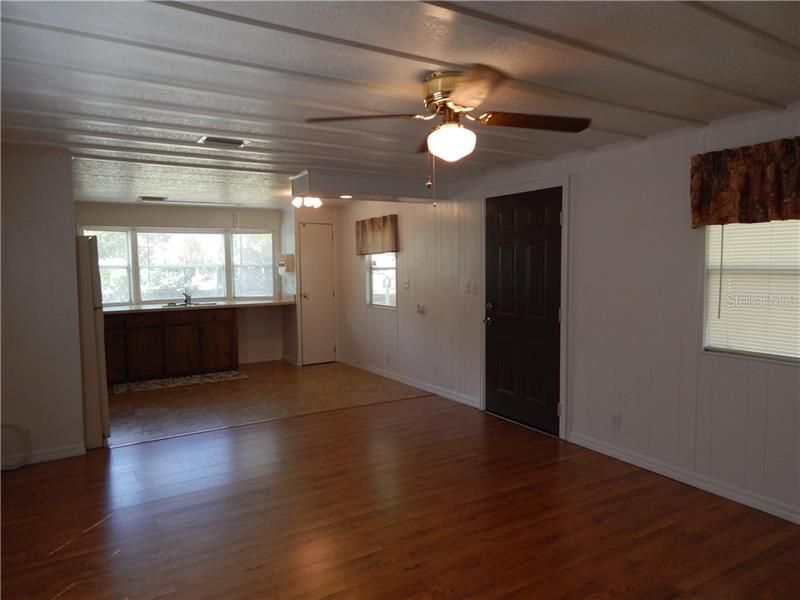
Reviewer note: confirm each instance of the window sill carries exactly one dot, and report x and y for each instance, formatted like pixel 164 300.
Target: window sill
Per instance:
pixel 381 307
pixel 718 353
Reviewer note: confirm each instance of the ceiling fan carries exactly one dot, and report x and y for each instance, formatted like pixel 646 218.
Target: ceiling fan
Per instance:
pixel 453 94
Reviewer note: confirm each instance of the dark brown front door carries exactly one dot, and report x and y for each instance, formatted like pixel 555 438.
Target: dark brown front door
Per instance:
pixel 523 296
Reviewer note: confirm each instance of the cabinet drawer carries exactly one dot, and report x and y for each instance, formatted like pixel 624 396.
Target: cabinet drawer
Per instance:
pixel 181 317
pixel 143 320
pixel 215 314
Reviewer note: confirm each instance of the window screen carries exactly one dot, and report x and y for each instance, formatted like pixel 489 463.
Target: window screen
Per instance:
pixel 252 265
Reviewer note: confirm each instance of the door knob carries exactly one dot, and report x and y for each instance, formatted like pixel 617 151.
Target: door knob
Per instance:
pixel 305 296
pixel 487 320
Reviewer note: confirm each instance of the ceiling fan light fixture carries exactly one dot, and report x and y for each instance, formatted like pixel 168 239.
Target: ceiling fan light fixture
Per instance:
pixel 451 142
pixel 307 201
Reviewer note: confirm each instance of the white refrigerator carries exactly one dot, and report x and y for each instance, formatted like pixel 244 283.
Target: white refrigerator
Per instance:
pixel 93 347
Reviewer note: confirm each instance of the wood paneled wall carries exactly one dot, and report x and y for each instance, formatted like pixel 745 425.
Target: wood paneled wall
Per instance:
pixel 440 258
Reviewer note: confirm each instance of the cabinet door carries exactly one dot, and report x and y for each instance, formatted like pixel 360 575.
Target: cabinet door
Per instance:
pixel 145 352
pixel 217 346
pixel 181 349
pixel 115 355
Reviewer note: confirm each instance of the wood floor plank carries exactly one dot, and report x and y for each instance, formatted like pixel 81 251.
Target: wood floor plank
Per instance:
pixel 419 498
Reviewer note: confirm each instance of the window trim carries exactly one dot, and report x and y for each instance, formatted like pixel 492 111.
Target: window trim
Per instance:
pixel 369 271
pixel 714 352
pixel 133 269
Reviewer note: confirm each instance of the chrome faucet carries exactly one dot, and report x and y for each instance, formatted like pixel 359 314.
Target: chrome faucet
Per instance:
pixel 187 297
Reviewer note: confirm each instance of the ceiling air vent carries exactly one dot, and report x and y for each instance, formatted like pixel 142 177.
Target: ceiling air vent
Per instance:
pixel 221 142
pixel 152 198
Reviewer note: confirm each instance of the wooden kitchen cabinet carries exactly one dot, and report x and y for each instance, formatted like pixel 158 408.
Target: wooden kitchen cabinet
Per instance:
pixel 115 349
pixel 181 349
pixel 159 344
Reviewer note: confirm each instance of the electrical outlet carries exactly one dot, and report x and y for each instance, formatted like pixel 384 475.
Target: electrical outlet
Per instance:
pixel 616 422
pixel 406 284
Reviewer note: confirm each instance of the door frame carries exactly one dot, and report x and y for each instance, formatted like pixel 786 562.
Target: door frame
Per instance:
pixel 531 186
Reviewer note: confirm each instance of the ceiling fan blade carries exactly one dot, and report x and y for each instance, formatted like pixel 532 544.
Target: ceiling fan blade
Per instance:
pixel 362 118
pixel 546 122
pixel 475 84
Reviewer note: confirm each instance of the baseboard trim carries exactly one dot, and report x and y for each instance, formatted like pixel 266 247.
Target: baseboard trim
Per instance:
pixel 427 387
pixel 708 484
pixel 249 360
pixel 290 359
pixel 46 454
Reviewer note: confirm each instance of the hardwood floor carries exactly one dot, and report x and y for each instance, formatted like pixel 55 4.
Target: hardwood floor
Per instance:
pixel 420 498
pixel 273 390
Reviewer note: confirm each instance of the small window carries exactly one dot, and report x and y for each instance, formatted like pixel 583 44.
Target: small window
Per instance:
pixel 753 288
pixel 252 265
pixel 113 253
pixel 171 262
pixel 382 279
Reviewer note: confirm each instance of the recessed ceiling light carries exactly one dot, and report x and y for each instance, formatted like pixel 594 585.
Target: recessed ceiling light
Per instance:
pixel 345 196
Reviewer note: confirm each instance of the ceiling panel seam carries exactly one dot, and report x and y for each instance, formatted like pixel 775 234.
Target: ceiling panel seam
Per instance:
pixel 524 84
pixel 157 126
pixel 216 113
pixel 604 52
pixel 521 84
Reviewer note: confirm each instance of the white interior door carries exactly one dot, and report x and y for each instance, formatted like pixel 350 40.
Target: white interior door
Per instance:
pixel 317 309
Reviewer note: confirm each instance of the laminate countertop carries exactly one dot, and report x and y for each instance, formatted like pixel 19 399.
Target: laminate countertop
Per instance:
pixel 210 305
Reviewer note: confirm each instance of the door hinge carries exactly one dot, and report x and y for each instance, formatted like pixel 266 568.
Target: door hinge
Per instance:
pixel 561 218
pixel 559 314
pixel 334 293
pixel 558 409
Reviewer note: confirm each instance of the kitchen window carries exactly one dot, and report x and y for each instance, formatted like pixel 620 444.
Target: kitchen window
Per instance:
pixel 157 265
pixel 114 258
pixel 251 255
pixel 753 288
pixel 382 279
pixel 171 262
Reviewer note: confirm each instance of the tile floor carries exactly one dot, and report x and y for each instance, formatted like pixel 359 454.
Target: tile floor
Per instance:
pixel 273 390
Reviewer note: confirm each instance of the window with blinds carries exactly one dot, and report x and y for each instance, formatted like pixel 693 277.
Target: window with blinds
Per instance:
pixel 753 288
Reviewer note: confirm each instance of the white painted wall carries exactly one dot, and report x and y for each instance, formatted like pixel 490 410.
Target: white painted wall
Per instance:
pixel 440 253
pixel 728 424
pixel 260 328
pixel 41 373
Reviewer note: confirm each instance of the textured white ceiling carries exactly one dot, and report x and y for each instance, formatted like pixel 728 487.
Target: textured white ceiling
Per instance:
pixel 129 87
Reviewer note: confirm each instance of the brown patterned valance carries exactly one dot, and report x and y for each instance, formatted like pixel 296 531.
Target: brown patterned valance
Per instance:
pixel 751 184
pixel 376 235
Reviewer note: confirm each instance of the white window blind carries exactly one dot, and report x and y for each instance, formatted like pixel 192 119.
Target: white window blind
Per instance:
pixel 753 288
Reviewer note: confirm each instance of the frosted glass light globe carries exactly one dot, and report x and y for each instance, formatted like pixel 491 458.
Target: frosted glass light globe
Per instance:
pixel 451 141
